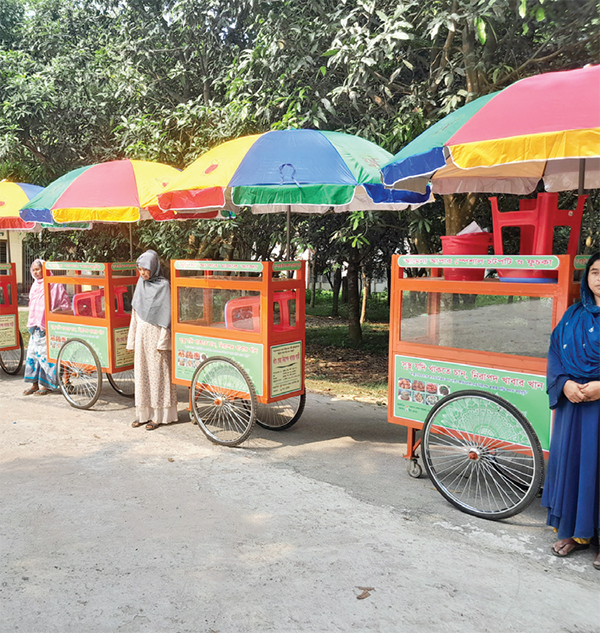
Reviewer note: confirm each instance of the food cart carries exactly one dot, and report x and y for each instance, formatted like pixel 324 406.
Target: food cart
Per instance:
pixel 467 369
pixel 238 333
pixel 11 341
pixel 89 338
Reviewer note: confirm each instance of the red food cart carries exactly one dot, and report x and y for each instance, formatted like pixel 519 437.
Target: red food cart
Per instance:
pixel 467 369
pixel 89 338
pixel 238 343
pixel 11 341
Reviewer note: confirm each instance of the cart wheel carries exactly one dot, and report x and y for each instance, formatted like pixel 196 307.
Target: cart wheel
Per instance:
pixel 223 401
pixel 11 361
pixel 482 454
pixel 79 373
pixel 278 416
pixel 414 469
pixel 123 382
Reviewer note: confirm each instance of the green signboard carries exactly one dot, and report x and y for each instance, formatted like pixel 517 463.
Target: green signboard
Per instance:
pixel 191 350
pixel 287 266
pixel 421 382
pixel 5 266
pixel 581 262
pixel 119 266
pixel 74 266
pixel 547 262
pixel 192 264
pixel 59 333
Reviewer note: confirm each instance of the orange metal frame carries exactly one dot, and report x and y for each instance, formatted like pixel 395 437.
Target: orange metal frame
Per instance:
pixel 10 306
pixel 563 293
pixel 268 335
pixel 105 280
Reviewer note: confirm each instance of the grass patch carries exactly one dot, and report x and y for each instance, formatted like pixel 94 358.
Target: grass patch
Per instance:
pixel 375 337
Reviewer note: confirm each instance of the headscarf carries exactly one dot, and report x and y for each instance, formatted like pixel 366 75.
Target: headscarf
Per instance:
pixel 152 298
pixel 59 300
pixel 576 339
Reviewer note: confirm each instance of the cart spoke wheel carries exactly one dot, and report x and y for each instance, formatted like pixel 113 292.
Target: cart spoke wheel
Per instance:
pixel 11 361
pixel 278 416
pixel 482 454
pixel 123 382
pixel 223 401
pixel 79 373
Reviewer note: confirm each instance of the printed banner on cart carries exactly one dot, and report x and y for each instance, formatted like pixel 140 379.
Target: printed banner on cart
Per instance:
pixel 286 368
pixel 191 350
pixel 123 356
pixel 420 382
pixel 8 331
pixel 95 336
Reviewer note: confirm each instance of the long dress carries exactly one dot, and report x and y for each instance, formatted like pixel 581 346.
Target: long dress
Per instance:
pixel 572 486
pixel 155 394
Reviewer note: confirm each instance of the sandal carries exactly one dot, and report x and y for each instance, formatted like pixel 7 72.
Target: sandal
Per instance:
pixel 29 391
pixel 42 392
pixel 574 547
pixel 151 426
pixel 137 424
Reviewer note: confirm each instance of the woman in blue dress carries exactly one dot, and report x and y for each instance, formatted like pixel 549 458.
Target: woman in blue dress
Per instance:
pixel 572 487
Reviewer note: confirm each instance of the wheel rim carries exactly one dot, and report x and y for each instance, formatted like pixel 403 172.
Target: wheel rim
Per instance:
pixel 79 374
pixel 223 401
pixel 280 415
pixel 480 456
pixel 123 382
pixel 12 360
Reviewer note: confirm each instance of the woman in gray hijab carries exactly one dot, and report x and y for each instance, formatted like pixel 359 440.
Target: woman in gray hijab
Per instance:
pixel 150 338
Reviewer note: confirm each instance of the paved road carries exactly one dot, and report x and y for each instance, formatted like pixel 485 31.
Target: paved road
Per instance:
pixel 106 528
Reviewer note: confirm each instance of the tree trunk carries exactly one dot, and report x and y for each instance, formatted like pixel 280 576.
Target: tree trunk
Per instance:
pixel 337 283
pixel 459 211
pixel 365 293
pixel 354 329
pixel 313 293
pixel 345 289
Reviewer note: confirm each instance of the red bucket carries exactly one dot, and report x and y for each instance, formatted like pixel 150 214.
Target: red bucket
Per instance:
pixel 468 244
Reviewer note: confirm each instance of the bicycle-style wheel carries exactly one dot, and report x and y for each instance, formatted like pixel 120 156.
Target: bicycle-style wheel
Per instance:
pixel 11 360
pixel 123 382
pixel 79 373
pixel 482 454
pixel 278 416
pixel 223 401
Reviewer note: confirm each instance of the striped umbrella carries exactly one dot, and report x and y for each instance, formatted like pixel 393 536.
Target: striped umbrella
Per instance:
pixel 542 127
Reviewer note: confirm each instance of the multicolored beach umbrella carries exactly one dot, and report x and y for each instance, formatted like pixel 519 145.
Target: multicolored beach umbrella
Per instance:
pixel 306 171
pixel 542 127
pixel 105 192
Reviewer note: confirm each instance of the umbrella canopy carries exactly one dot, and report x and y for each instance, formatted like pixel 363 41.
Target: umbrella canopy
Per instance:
pixel 281 170
pixel 541 127
pixel 13 195
pixel 105 192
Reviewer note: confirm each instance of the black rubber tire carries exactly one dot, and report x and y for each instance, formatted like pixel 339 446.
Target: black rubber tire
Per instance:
pixel 123 383
pixel 280 415
pixel 492 477
pixel 12 361
pixel 73 355
pixel 223 401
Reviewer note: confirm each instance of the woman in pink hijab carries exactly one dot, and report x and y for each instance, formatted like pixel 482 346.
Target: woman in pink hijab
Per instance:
pixel 38 371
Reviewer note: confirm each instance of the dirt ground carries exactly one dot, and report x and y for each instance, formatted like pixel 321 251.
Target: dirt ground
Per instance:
pixel 319 528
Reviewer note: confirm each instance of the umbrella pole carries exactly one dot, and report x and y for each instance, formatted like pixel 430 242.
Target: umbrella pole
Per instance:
pixel 288 218
pixel 130 243
pixel 8 247
pixel 581 176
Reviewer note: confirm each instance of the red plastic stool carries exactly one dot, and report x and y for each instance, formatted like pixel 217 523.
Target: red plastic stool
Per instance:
pixel 243 313
pixel 536 218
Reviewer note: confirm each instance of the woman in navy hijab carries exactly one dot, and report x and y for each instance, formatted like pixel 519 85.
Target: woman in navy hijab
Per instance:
pixel 572 488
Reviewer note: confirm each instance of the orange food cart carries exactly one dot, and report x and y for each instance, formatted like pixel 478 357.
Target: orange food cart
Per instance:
pixel 467 369
pixel 238 333
pixel 11 341
pixel 89 338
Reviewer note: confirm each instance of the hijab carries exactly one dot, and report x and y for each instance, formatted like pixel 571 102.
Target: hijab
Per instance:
pixel 576 339
pixel 152 298
pixel 59 300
